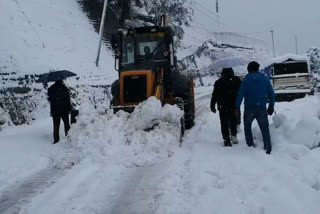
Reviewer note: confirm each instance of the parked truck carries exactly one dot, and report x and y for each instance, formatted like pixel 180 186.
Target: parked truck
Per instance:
pixel 290 76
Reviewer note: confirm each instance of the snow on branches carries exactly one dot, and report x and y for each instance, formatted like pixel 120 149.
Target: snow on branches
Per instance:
pixel 149 12
pixel 314 55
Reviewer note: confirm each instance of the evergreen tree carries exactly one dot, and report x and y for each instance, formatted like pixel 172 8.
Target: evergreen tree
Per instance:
pixel 139 13
pixel 149 12
pixel 314 55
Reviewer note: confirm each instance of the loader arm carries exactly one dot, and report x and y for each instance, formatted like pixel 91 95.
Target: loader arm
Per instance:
pixel 158 92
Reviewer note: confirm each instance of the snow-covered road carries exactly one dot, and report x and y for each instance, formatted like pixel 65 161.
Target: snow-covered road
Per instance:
pixel 151 175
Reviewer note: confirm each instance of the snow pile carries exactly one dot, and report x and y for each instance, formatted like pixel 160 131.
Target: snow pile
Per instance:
pixel 297 123
pixel 148 135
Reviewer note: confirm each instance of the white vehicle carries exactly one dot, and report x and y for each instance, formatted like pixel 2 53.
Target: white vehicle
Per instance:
pixel 290 76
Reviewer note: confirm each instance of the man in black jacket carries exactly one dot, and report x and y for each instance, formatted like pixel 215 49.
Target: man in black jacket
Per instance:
pixel 224 94
pixel 60 106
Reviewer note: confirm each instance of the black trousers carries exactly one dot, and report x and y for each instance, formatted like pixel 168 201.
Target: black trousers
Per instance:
pixel 228 122
pixel 56 126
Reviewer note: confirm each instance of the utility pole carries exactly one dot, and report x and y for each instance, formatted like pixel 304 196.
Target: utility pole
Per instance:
pixel 272 36
pixel 105 5
pixel 296 43
pixel 218 16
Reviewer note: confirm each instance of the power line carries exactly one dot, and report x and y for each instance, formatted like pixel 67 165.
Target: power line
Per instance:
pixel 210 11
pixel 197 21
pixel 259 32
pixel 205 13
pixel 205 28
pixel 30 23
pixel 216 21
pixel 200 34
pixel 214 30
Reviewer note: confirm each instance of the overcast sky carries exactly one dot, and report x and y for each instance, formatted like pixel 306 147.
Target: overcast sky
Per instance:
pixel 286 17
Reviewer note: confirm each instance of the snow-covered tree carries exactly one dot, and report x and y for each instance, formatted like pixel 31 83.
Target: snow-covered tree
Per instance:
pixel 138 13
pixel 149 12
pixel 314 55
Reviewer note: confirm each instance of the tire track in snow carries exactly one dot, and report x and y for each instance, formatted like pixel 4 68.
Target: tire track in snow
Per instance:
pixel 21 193
pixel 141 192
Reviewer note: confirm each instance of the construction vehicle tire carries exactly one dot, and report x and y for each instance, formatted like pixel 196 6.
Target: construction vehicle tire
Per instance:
pixel 189 108
pixel 179 102
pixel 182 88
pixel 115 91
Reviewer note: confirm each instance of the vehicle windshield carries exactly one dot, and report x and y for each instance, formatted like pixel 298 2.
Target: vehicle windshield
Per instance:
pixel 128 51
pixel 291 68
pixel 148 48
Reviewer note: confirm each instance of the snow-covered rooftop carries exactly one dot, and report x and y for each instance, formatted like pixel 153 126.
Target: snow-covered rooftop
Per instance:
pixel 286 57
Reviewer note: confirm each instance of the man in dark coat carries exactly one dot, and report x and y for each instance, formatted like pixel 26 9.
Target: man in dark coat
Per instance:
pixel 256 89
pixel 60 106
pixel 224 94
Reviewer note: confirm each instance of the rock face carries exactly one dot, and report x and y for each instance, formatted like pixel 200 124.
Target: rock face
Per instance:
pixel 19 99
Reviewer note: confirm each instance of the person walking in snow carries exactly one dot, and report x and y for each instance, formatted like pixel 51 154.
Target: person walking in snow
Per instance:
pixel 60 106
pixel 224 95
pixel 256 89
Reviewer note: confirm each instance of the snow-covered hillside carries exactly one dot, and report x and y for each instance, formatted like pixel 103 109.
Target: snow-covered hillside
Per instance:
pixel 42 35
pixel 219 46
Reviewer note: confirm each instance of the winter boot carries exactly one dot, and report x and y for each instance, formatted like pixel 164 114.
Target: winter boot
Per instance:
pixel 252 145
pixel 227 143
pixel 234 140
pixel 268 150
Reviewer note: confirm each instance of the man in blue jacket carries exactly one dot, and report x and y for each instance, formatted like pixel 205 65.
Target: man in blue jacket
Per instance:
pixel 256 89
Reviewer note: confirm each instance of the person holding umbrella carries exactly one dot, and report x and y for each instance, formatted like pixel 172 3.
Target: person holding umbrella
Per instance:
pixel 224 94
pixel 60 106
pixel 59 98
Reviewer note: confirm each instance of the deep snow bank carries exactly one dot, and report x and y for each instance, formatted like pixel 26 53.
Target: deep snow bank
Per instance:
pixel 148 135
pixel 297 122
pixel 240 179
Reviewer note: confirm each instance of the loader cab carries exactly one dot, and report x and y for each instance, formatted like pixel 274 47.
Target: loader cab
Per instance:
pixel 142 48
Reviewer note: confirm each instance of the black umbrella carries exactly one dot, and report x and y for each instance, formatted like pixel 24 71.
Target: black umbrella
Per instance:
pixel 55 75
